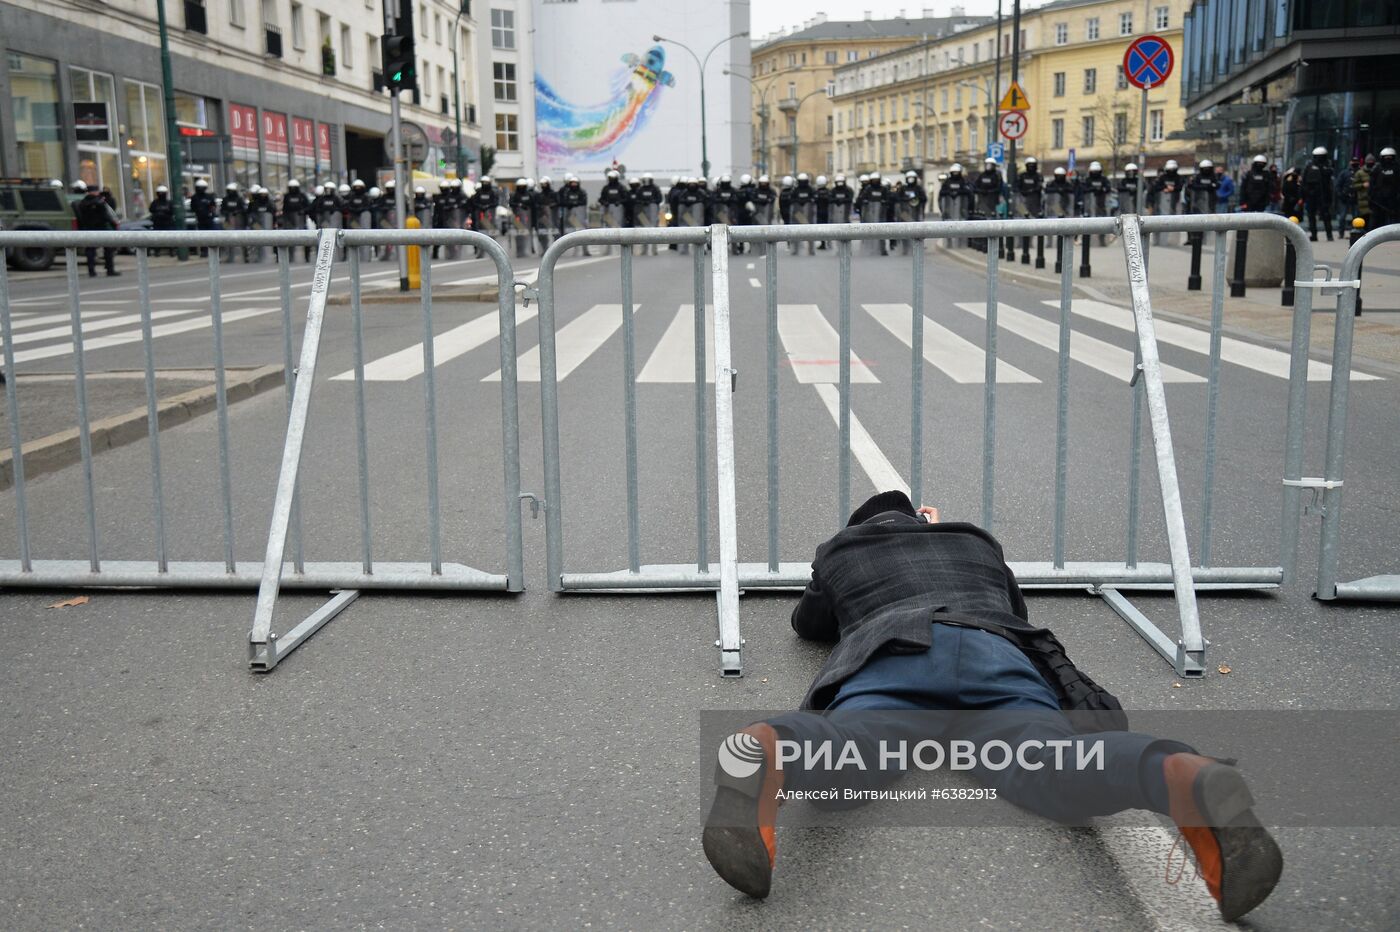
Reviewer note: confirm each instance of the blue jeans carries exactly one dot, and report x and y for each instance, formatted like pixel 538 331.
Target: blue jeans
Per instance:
pixel 968 670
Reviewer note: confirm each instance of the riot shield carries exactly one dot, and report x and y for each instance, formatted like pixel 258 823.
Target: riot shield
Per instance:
pixel 388 220
pixel 362 220
pixel 872 211
pixel 803 212
pixel 424 215
pixel 234 222
pixel 839 213
pixel 454 218
pixel 987 204
pixel 954 207
pixel 1163 206
pixel 724 212
pixel 259 220
pixel 1095 205
pixel 1030 205
pixel 520 228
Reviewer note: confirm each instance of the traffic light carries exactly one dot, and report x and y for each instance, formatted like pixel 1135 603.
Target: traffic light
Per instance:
pixel 400 71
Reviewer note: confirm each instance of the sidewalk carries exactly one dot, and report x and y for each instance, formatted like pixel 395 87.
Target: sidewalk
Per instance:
pixel 1258 315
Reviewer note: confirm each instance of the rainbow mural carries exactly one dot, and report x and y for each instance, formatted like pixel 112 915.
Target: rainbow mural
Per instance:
pixel 571 134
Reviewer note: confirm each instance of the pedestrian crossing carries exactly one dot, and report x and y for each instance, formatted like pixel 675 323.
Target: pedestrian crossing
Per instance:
pixel 193 319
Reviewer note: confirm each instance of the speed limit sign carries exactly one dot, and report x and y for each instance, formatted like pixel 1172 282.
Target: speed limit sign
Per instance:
pixel 1013 123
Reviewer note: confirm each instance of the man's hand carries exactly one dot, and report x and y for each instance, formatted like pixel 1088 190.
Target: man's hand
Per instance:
pixel 930 513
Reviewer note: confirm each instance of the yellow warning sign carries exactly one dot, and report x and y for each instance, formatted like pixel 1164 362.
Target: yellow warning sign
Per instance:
pixel 1015 99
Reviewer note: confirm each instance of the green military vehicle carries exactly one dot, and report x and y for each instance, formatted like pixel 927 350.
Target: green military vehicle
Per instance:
pixel 32 204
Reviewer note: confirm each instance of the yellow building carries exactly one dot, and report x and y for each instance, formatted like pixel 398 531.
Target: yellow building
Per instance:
pixel 793 78
pixel 928 105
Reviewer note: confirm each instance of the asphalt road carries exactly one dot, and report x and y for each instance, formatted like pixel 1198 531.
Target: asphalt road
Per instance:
pixel 529 761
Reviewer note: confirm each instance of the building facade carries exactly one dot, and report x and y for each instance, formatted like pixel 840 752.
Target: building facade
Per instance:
pixel 265 91
pixel 794 80
pixel 1284 78
pixel 928 105
pixel 506 62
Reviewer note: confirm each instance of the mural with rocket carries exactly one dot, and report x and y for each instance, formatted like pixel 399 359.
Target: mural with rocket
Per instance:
pixel 571 134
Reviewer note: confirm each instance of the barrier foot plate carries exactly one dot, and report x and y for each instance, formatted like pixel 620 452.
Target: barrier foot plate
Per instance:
pixel 1186 663
pixel 1371 589
pixel 263 657
pixel 730 644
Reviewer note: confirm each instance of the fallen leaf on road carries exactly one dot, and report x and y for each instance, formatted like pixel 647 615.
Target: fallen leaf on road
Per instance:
pixel 1223 668
pixel 1176 686
pixel 67 603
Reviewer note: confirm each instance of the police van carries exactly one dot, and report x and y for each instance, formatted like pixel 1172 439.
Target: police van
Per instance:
pixel 33 204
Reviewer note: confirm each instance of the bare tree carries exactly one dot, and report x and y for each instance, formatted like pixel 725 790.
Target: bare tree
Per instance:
pixel 1117 116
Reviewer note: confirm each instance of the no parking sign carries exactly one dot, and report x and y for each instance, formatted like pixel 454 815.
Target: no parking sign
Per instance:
pixel 1148 62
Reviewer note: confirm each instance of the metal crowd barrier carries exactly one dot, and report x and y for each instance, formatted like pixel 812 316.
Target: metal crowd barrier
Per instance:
pixel 1105 578
pixel 275 572
pixel 1385 587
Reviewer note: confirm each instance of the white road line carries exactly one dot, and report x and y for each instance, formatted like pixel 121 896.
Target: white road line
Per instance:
pixel 447 346
pixel 961 359
pixel 1096 354
pixel 877 466
pixel 1141 852
pixel 55 318
pixel 750 266
pixel 574 342
pixel 91 326
pixel 531 275
pixel 1240 352
pixel 134 336
pixel 673 360
pixel 755 283
pixel 813 346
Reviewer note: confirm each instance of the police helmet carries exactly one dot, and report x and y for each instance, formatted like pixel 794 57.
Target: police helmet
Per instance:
pixel 485 179
pixel 787 181
pixel 1320 150
pixel 1388 152
pixel 763 179
pixel 201 183
pixel 746 179
pixel 1260 159
pixel 1030 160
pixel 989 161
pixel 528 182
pixel 1130 167
pixel 634 182
pixel 420 190
pixel 522 182
pixel 375 192
pixel 912 174
pixel 389 183
pixel 803 176
pixel 821 180
pixel 344 188
pixel 56 183
pixel 1095 167
pixel 839 179
pixel 296 184
pixel 357 184
pixel 864 178
pixel 79 186
pixel 725 179
pixel 648 177
pixel 675 179
pixel 569 177
pixel 1204 164
pixel 1170 166
pixel 955 168
pixel 162 189
pixel 1060 171
pixel 231 186
pixel 612 173
pixel 545 180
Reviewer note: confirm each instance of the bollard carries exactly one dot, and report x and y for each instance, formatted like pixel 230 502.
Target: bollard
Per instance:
pixel 1358 230
pixel 1011 249
pixel 415 257
pixel 1025 250
pixel 1059 253
pixel 1039 251
pixel 1084 270
pixel 1241 250
pixel 1193 279
pixel 1290 271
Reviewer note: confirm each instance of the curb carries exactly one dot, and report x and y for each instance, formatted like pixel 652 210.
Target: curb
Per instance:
pixel 54 452
pixel 485 295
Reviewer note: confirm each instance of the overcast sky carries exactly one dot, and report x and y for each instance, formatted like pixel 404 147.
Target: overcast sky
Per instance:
pixel 770 15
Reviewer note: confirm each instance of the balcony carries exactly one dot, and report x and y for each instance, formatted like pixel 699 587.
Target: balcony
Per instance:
pixel 787 142
pixel 272 41
pixel 789 104
pixel 195 18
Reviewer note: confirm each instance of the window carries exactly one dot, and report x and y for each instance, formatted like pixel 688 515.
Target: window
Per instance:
pixel 852 55
pixel 1120 128
pixel 1087 131
pixel 792 59
pixel 145 140
pixel 1091 29
pixel 427 83
pixel 1122 79
pixel 828 125
pixel 235 13
pixel 1163 17
pixel 298 27
pixel 831 58
pixel 503 81
pixel 792 89
pixel 972 136
pixel 1059 84
pixel 1156 123
pixel 1091 80
pixel 957 97
pixel 831 88
pixel 423 20
pixel 1057 133
pixel 973 101
pixel 502 30
pixel 1062 33
pixel 1125 24
pixel 507 132
pixel 99 155
pixel 345 56
pixel 906 106
pixel 957 138
pixel 882 110
pixel 804 58
pixel 437 28
pixel 945 99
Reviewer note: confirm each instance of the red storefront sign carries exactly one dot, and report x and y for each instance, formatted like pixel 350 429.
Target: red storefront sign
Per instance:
pixel 323 142
pixel 275 133
pixel 303 138
pixel 243 126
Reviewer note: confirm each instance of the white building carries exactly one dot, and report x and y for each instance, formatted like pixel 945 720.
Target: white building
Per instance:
pixel 505 57
pixel 265 90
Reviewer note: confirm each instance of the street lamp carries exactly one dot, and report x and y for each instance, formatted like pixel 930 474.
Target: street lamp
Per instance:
pixel 465 7
pixel 795 110
pixel 762 113
pixel 991 102
pixel 704 143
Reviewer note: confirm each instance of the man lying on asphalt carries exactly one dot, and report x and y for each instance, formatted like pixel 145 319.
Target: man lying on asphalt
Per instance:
pixel 927 617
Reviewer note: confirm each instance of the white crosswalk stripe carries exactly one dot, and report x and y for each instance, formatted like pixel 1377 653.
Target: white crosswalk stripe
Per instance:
pixel 92 326
pixel 574 342
pixel 1111 360
pixel 42 319
pixel 673 360
pixel 1249 355
pixel 448 345
pixel 134 336
pixel 813 347
pixel 963 360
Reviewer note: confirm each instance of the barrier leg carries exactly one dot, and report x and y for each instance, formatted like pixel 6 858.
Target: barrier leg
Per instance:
pixel 1084 270
pixel 1193 280
pixel 1290 272
pixel 1237 287
pixel 730 643
pixel 1040 252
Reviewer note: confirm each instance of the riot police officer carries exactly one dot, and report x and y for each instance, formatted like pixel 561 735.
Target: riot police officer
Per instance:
pixel 262 215
pixel 204 208
pixel 692 205
pixel 804 206
pixel 1317 192
pixel 545 219
pixel 234 211
pixel 482 206
pixel 1255 186
pixel 522 213
pixel 987 187
pixel 910 200
pixel 646 207
pixel 573 208
pixel 955 196
pixel 162 211
pixel 1029 190
pixel 725 206
pixel 1095 191
pixel 1164 195
pixel 295 205
pixel 1384 193
pixel 612 203
pixel 94 213
pixel 1201 189
pixel 841 201
pixel 785 198
pixel 421 207
pixel 1059 195
pixel 1128 189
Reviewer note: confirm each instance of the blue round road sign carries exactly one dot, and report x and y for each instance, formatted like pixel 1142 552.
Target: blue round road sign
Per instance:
pixel 1148 62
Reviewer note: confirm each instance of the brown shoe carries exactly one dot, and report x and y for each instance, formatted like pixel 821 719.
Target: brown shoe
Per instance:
pixel 1235 855
pixel 739 838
